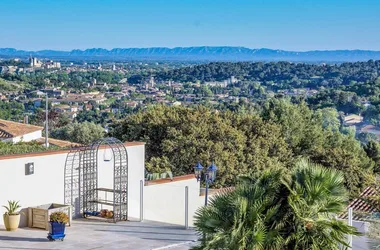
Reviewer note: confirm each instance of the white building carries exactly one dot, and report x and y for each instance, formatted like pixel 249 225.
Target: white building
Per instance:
pixel 34 62
pixel 46 184
pixel 151 82
pixel 20 132
pixel 168 200
pixel 15 132
pixel 53 65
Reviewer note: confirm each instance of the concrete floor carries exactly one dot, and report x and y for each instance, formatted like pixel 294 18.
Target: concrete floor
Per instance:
pixel 86 234
pixel 93 235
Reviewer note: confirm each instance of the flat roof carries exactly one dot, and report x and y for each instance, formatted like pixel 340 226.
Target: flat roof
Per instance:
pixel 55 152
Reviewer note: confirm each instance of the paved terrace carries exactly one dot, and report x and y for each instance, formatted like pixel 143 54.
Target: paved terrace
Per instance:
pixel 86 234
pixel 93 235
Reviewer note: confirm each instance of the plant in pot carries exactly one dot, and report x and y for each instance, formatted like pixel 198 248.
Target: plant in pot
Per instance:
pixel 58 222
pixel 12 216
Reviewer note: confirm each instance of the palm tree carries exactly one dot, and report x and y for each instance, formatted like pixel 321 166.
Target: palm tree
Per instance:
pixel 316 196
pixel 279 209
pixel 246 218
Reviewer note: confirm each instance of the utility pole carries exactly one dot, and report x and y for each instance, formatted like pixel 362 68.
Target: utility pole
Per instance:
pixel 350 224
pixel 47 123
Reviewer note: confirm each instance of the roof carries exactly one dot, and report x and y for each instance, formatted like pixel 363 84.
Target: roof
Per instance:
pixel 59 151
pixel 9 129
pixel 371 129
pixel 60 143
pixel 361 206
pixel 353 119
pixel 168 180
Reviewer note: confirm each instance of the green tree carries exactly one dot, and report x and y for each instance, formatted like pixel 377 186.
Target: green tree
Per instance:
pixel 278 210
pixel 188 135
pixel 330 118
pixel 243 142
pixel 372 148
pixel 11 110
pixel 303 130
pixel 366 137
pixel 85 132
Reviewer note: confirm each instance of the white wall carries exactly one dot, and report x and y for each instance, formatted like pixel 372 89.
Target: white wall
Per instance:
pixel 166 202
pixel 28 137
pixel 46 185
pixel 136 172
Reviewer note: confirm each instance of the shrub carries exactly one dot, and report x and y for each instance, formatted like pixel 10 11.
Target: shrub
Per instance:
pixel 59 217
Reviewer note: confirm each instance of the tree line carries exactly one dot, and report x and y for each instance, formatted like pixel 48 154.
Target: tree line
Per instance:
pixel 246 143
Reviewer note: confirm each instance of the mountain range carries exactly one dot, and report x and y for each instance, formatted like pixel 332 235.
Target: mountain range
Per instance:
pixel 204 53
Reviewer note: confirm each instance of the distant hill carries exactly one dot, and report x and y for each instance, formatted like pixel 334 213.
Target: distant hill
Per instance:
pixel 204 53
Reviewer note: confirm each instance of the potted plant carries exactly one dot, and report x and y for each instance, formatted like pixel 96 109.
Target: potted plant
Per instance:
pixel 58 222
pixel 12 216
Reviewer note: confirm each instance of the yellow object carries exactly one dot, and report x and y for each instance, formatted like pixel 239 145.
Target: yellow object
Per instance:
pixel 11 222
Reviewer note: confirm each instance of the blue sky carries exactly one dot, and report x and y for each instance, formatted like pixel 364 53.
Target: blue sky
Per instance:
pixel 278 24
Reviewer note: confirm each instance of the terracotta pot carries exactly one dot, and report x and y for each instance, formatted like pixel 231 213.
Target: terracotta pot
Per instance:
pixel 11 222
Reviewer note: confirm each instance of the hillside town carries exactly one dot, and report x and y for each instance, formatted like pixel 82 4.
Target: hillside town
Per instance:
pixel 101 92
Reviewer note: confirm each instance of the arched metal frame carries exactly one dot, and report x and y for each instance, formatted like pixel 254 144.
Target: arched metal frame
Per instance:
pixel 73 181
pixel 87 178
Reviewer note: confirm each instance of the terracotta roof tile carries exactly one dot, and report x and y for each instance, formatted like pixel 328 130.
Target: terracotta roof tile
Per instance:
pixel 360 206
pixel 9 129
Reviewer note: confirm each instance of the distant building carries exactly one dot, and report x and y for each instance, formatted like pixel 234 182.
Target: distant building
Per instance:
pixel 114 67
pixel 34 62
pixel 3 69
pixel 366 104
pixel 20 132
pixel 16 132
pixel 233 80
pixel 217 84
pixel 93 82
pixel 151 82
pixel 53 92
pixel 352 120
pixel 8 69
pixel 371 129
pixel 53 65
pixel 132 104
pixel 176 103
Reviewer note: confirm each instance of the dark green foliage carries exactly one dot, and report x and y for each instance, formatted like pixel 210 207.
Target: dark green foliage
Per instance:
pixel 11 110
pixel 284 74
pixel 22 147
pixel 84 133
pixel 278 209
pixel 237 143
pixel 244 143
pixel 346 102
pixel 372 148
pixel 303 130
pixel 12 208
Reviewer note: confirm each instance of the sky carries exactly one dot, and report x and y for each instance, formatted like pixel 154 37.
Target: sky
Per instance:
pixel 296 25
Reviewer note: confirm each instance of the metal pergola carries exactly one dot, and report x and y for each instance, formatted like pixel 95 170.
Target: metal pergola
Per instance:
pixel 81 179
